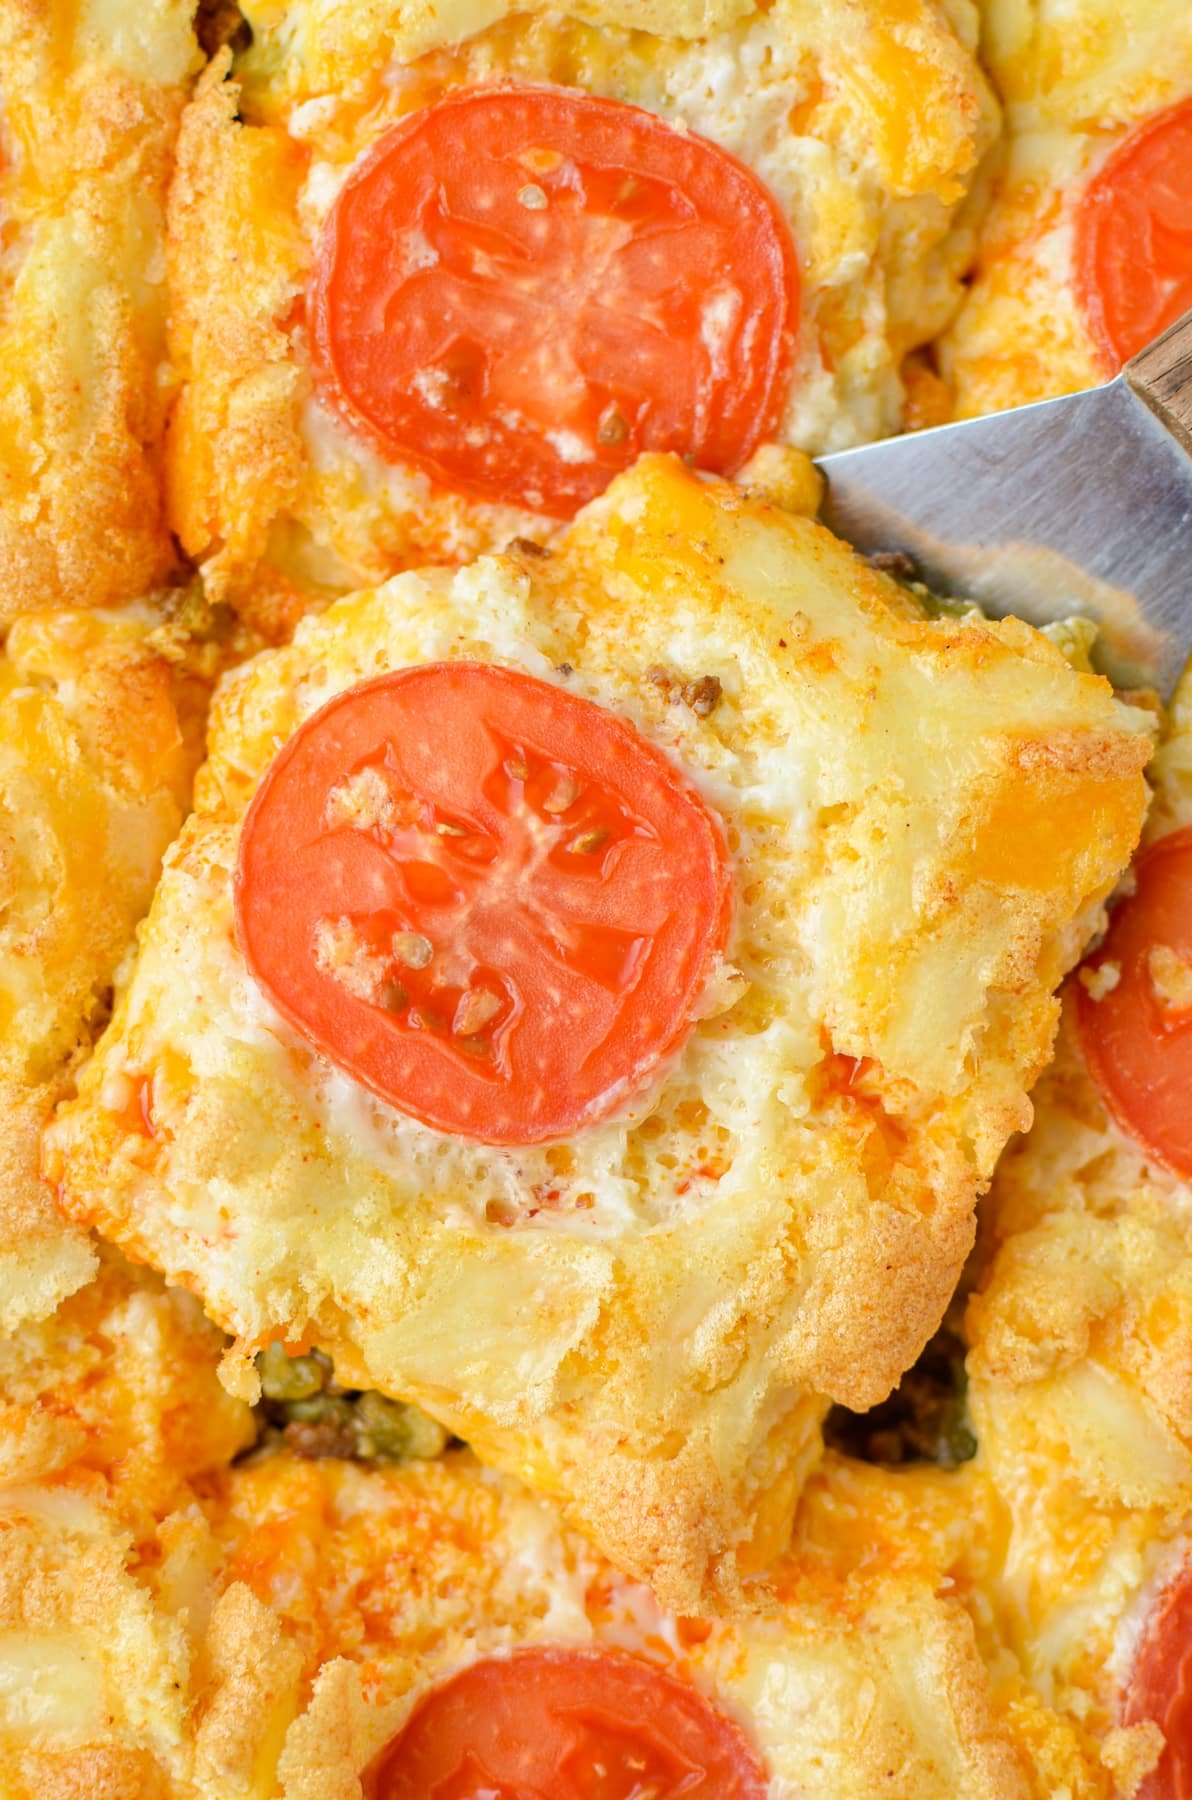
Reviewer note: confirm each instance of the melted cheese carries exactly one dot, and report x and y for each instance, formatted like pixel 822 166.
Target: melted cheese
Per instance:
pixel 86 810
pixel 175 1623
pixel 105 1412
pixel 48 1683
pixel 1086 64
pixel 817 99
pixel 843 1683
pixel 1081 1343
pixel 91 91
pixel 1078 76
pixel 759 1230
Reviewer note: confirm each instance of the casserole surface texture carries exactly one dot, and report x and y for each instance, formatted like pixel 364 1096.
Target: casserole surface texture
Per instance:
pixel 100 733
pixel 282 499
pixel 1079 1354
pixel 648 1318
pixel 176 1625
pixel 1080 80
pixel 91 95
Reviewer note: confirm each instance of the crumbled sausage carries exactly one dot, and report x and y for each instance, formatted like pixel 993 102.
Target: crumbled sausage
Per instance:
pixel 703 695
pixel 925 1419
pixel 893 562
pixel 317 1438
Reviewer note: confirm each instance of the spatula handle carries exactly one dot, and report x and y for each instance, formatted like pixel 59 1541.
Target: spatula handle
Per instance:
pixel 1162 376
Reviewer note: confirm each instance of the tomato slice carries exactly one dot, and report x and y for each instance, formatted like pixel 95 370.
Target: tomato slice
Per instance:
pixel 1160 1689
pixel 489 900
pixel 521 289
pixel 1134 237
pixel 549 1724
pixel 1138 1036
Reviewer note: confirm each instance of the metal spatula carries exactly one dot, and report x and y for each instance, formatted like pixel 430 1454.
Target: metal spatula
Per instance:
pixel 1079 505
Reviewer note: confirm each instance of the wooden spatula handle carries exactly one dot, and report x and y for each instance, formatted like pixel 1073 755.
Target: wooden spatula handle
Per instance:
pixel 1162 376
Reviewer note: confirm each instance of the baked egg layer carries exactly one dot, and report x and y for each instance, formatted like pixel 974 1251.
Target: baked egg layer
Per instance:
pixel 87 807
pixel 91 92
pixel 867 124
pixel 648 1318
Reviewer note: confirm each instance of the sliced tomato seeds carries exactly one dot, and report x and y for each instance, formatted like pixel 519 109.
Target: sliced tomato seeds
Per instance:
pixel 1136 1022
pixel 1134 237
pixel 574 1724
pixel 520 289
pixel 489 900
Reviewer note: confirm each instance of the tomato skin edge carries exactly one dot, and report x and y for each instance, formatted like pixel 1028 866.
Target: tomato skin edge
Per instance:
pixel 1169 1616
pixel 1093 203
pixel 751 1781
pixel 1173 843
pixel 333 389
pixel 1097 1069
pixel 633 1084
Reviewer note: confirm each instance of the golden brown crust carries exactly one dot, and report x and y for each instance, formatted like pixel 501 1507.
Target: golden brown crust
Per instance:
pixel 106 1412
pixel 1076 81
pixel 787 1220
pixel 99 733
pixel 236 273
pixel 873 1672
pixel 42 1258
pixel 88 131
pixel 249 1677
pixel 266 1630
pixel 284 504
pixel 334 1737
pixel 120 1383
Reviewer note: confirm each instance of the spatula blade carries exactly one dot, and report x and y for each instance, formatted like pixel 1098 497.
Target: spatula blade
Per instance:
pixel 1076 505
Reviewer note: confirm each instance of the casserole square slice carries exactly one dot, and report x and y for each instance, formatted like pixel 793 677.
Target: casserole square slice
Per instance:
pixel 100 733
pixel 646 1313
pixel 289 487
pixel 90 98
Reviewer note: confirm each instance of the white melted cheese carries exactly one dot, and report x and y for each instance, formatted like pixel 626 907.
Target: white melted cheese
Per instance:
pixel 50 1685
pixel 404 490
pixel 739 89
pixel 745 1082
pixel 150 40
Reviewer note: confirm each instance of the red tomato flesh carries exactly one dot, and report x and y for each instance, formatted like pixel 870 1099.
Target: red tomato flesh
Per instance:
pixel 1138 1036
pixel 521 289
pixel 547 1724
pixel 489 900
pixel 1134 237
pixel 1160 1689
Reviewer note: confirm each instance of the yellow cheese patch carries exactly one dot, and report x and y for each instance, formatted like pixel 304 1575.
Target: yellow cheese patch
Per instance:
pixel 646 1319
pixel 91 92
pixel 88 804
pixel 868 123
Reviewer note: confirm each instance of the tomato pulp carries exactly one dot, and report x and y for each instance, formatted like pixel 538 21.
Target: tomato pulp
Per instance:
pixel 1134 237
pixel 1138 1035
pixel 520 289
pixel 489 900
pixel 1160 1689
pixel 552 1724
